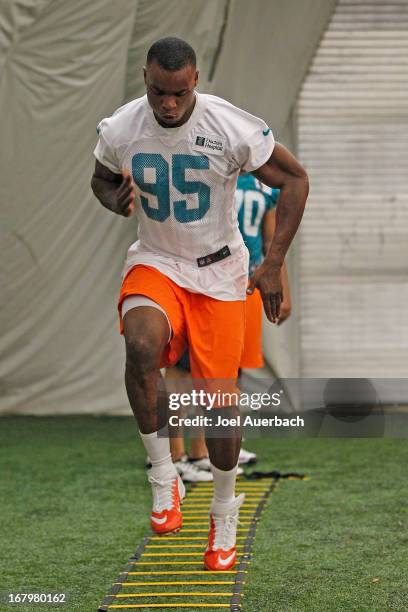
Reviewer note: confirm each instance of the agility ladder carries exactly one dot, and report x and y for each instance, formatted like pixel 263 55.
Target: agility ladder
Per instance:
pixel 165 571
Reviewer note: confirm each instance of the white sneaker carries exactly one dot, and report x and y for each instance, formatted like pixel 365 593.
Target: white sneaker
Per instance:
pixel 190 472
pixel 221 554
pixel 246 457
pixel 167 497
pixel 204 464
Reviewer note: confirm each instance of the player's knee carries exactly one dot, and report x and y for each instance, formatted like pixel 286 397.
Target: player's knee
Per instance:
pixel 141 355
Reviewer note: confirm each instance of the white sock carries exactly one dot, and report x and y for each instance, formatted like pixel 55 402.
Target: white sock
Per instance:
pixel 158 449
pixel 224 484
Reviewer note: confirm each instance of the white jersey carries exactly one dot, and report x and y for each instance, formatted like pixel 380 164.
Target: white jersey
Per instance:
pixel 187 177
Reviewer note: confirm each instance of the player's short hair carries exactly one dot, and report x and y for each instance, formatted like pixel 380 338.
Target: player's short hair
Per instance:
pixel 171 53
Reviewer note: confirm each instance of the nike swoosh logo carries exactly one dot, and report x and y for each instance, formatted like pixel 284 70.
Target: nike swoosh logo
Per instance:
pixel 224 562
pixel 159 521
pixel 266 132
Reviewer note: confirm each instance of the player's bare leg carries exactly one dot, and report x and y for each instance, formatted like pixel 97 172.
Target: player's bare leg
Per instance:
pixel 198 448
pixel 177 448
pixel 224 452
pixel 178 380
pixel 146 332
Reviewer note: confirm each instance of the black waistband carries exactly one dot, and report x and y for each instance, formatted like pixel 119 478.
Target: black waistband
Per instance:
pixel 206 260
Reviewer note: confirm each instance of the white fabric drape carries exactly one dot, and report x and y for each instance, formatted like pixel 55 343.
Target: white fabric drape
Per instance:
pixel 64 66
pixel 266 55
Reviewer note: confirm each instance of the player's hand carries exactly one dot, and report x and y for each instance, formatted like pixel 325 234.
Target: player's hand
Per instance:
pixel 125 195
pixel 267 279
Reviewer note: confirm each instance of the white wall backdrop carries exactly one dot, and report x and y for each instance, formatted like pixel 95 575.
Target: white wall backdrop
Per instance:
pixel 353 125
pixel 63 66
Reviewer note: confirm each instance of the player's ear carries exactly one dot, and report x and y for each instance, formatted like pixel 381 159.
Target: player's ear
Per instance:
pixel 144 74
pixel 196 78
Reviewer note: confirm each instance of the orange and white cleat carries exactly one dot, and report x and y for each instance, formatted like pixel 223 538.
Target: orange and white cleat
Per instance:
pixel 221 553
pixel 167 497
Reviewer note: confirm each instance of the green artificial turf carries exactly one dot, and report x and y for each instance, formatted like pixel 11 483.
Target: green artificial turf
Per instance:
pixel 74 504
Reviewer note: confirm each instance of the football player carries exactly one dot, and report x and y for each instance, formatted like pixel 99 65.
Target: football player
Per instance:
pixel 255 204
pixel 173 156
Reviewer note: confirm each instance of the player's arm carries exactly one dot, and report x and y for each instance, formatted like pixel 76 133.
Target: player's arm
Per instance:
pixel 268 230
pixel 284 172
pixel 114 191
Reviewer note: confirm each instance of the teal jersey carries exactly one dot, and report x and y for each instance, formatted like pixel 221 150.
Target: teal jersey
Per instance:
pixel 253 199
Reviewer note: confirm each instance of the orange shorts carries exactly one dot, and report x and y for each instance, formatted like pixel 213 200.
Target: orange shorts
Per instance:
pixel 252 356
pixel 213 329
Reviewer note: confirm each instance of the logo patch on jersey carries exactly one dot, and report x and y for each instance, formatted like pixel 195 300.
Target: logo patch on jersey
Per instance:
pixel 266 132
pixel 209 144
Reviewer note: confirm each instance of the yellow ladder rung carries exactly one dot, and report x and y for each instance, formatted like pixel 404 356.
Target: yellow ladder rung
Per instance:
pixel 171 605
pixel 184 573
pixel 244 505
pixel 206 530
pixel 167 563
pixel 179 582
pixel 209 495
pixel 201 503
pixel 174 546
pixel 168 538
pixel 189 523
pixel 199 546
pixel 176 594
pixel 206 502
pixel 172 554
pixel 264 481
pixel 188 518
pixel 240 484
pixel 202 514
